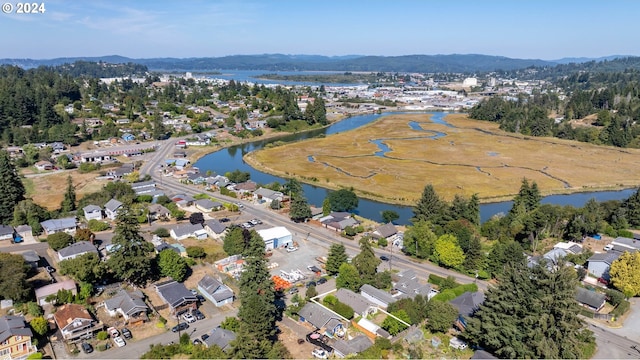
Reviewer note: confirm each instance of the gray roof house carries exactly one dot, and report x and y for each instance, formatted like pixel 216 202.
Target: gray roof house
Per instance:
pixel 590 299
pixel 267 195
pixel 360 305
pixel 53 226
pixel 598 265
pixel 214 290
pixel 157 211
pixel 76 249
pixel 130 305
pixel 406 284
pixel 92 212
pixel 321 318
pixel 344 348
pixel 143 187
pixel 111 208
pixel 627 243
pixel 207 205
pixel 221 338
pixel 466 304
pixel 377 296
pixel 177 297
pixel 385 231
pixel 15 337
pixel 31 257
pixel 43 292
pixel 184 231
pixel 215 228
pixel 6 232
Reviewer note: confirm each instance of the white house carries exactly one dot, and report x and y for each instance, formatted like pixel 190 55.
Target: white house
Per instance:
pixel 111 208
pixel 76 249
pixel 92 212
pixel 377 296
pixel 598 265
pixel 267 195
pixel 276 237
pixel 182 232
pixel 215 229
pixel 53 226
pixel 6 232
pixel 214 290
pixel 129 305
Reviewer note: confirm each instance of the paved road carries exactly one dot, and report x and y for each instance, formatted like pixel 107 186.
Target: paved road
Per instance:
pixel 612 346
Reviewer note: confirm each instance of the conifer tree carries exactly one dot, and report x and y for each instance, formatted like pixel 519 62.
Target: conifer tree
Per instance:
pixel 337 256
pixel 69 201
pixel 366 262
pixel 11 188
pixel 430 207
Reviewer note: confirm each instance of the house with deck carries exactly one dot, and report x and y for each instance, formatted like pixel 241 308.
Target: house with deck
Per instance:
pixel 111 208
pixel 75 322
pixel 92 212
pixel 176 297
pixel 321 318
pixel 128 304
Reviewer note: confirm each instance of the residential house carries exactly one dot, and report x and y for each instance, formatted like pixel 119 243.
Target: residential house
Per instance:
pixel 75 322
pixel 176 297
pixel 215 229
pixel 344 348
pixel 92 212
pixel 57 147
pixel 183 200
pixel 184 231
pixel 385 231
pixel 598 265
pixel 207 205
pixel 111 208
pixel 144 187
pixel 15 338
pixel 321 318
pixel 276 237
pixel 31 257
pixel 129 305
pixel 76 249
pixel 466 304
pixel 128 137
pixel 164 246
pixel 24 233
pixel 569 247
pixel 245 187
pixel 379 297
pixel 159 212
pixel 6 232
pixel 220 337
pixel 264 195
pixel 590 299
pixel 53 226
pixel 45 291
pixel 214 290
pixel 360 305
pixel 625 244
pixel 95 157
pixel 406 284
pixel 44 165
pixel 338 221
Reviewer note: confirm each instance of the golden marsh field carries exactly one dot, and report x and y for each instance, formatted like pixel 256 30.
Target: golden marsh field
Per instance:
pixel 468 157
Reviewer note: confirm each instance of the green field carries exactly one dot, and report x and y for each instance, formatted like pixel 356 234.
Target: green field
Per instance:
pixel 473 157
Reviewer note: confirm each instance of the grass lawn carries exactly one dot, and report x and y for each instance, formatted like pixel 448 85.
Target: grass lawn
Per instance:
pixel 473 157
pixel 48 189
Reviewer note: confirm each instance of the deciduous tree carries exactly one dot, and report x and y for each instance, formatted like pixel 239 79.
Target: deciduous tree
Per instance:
pixel 300 209
pixel 447 252
pixel 419 239
pixel 173 265
pixel 13 282
pixel 348 278
pixel 625 273
pixel 343 200
pixel 441 316
pixel 59 240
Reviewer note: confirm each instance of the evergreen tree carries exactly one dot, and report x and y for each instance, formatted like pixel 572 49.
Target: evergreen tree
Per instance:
pixel 326 207
pixel 343 200
pixel 233 242
pixel 69 201
pixel 632 207
pixel 430 207
pixel 419 239
pixel 131 261
pixel 337 256
pixel 348 278
pixel 11 188
pixel 366 262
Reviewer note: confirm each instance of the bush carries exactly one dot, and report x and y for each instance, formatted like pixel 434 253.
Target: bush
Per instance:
pixel 435 279
pixel 615 297
pixel 330 300
pixel 383 242
pixel 35 356
pixel 343 309
pixel 625 233
pixel 102 335
pixel 97 225
pixel 34 309
pixel 621 309
pixel 162 232
pixel 144 199
pixel 445 296
pixel 88 167
pixel 101 347
pixel 483 275
pixel 448 283
pixel 195 252
pixel 59 240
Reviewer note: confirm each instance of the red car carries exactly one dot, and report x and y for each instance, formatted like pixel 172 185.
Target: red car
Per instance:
pixel 603 281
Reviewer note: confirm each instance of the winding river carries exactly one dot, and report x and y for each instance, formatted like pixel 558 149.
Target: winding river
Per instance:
pixel 231 158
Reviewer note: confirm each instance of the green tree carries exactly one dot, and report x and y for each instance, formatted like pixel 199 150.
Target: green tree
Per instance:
pixel 300 209
pixel 69 201
pixel 30 213
pixel 292 187
pixel 326 206
pixel 366 262
pixel 394 326
pixel 343 200
pixel 59 240
pixel 13 282
pixel 230 323
pixel 419 239
pixel 389 216
pixel 430 207
pixel 39 325
pixel 237 176
pixel 233 242
pixel 441 316
pixel 311 292
pixel 336 257
pixel 625 273
pixel 131 261
pixel 348 278
pixel 632 207
pixel 196 252
pixel 11 188
pixel 503 254
pixel 447 252
pixel 83 235
pixel 173 265
pixel 84 268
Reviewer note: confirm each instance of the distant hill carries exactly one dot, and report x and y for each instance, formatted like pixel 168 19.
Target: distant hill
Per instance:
pixel 580 60
pixel 280 62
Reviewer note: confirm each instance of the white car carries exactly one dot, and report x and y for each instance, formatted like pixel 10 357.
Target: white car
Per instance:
pixel 119 341
pixel 188 317
pixel 319 353
pixel 608 247
pixel 292 249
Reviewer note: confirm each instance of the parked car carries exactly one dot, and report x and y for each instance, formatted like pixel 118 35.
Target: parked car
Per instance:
pixel 126 333
pixel 198 314
pixel 255 221
pixel 188 318
pixel 321 281
pixel 293 291
pixel 87 348
pixel 608 247
pixel 224 220
pixel 204 337
pixel 181 326
pixel 240 206
pixel 384 258
pixel 113 332
pixel 319 353
pixel 292 248
pixel 311 283
pixel 119 341
pixel 201 298
pixel 197 342
pixel 50 269
pixel 457 344
pixel 194 292
pixel 603 281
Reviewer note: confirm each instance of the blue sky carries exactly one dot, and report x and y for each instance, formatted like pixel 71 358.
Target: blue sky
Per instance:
pixel 538 29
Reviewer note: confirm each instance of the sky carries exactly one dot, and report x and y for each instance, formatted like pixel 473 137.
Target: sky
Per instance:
pixel 525 29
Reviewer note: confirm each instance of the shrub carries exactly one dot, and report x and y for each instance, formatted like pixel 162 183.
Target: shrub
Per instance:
pixel 615 297
pixel 195 251
pixel 35 356
pixel 144 199
pixel 435 279
pixel 621 309
pixel 162 232
pixel 59 240
pixel 101 347
pixel 625 233
pixel 383 242
pixel 102 335
pixel 97 225
pixel 343 309
pixel 445 296
pixel 448 283
pixel 34 309
pixel 330 300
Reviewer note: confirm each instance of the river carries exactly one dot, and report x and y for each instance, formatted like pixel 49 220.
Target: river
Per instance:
pixel 231 158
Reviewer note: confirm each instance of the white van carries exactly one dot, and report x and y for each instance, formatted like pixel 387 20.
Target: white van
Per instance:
pixel 608 247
